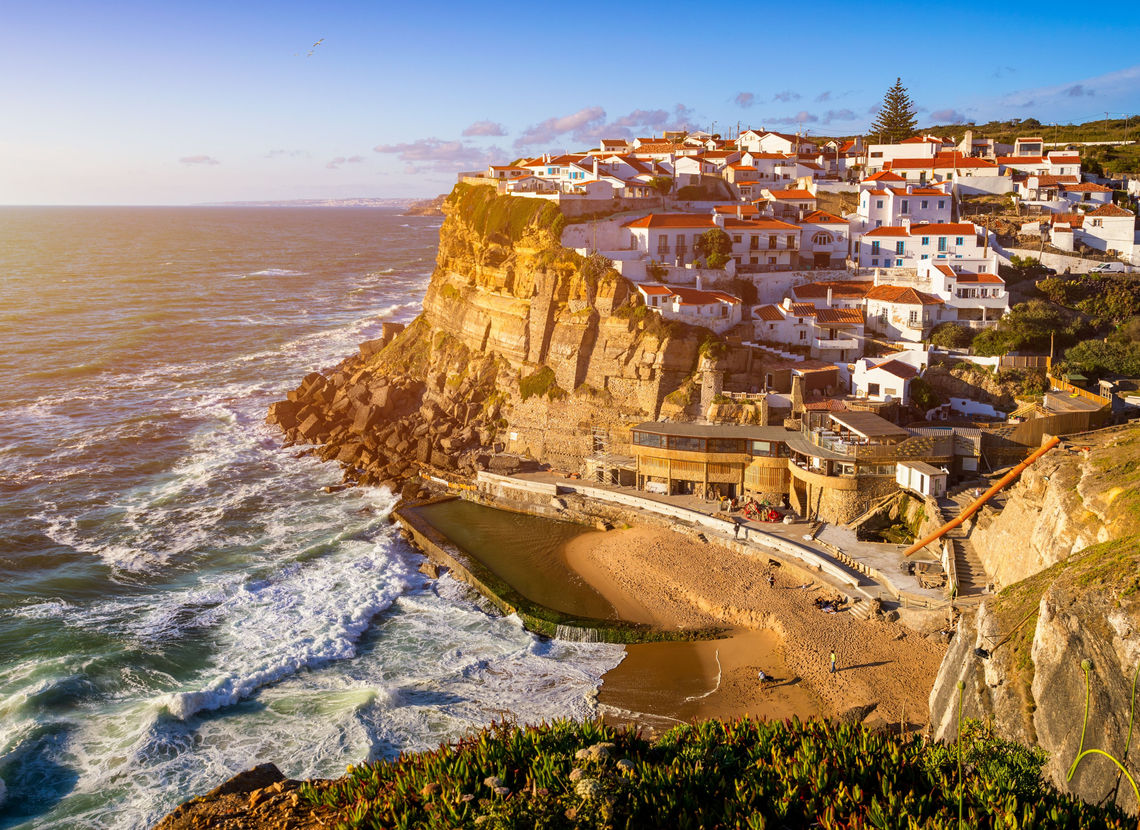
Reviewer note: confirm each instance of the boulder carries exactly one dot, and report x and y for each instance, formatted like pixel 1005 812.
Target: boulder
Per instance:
pixel 366 419
pixel 283 414
pixel 312 427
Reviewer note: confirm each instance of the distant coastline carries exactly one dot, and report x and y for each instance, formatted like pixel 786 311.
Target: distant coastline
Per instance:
pixel 354 202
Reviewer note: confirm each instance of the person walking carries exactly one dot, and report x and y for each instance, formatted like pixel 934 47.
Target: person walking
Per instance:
pixel 833 661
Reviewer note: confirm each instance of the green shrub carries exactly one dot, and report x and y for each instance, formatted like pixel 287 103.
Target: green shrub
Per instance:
pixel 742 774
pixel 503 219
pixel 952 336
pixel 540 383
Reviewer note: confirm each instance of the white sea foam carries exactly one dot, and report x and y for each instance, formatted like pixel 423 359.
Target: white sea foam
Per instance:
pixel 277 272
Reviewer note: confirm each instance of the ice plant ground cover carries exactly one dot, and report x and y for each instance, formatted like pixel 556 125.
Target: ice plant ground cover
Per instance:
pixel 712 774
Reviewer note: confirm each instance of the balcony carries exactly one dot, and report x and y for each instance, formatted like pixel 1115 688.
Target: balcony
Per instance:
pixel 850 343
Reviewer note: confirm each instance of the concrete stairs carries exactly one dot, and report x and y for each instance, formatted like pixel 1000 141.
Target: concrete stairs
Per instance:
pixel 972 577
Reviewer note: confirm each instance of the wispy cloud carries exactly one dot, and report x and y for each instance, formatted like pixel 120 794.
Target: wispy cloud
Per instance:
pixel 1114 90
pixel 823 96
pixel 437 155
pixel 339 160
pixel 547 131
pixel 485 128
pixel 1079 91
pixel 295 154
pixel 744 99
pixel 200 159
pixel 786 96
pixel 827 117
pixel 949 116
pixel 1003 71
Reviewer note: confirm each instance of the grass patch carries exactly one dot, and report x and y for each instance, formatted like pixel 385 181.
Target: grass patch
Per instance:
pixel 541 383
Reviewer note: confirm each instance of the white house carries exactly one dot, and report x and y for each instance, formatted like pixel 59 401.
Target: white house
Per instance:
pixel 714 310
pixel 883 378
pixel 902 313
pixel 790 203
pixel 831 334
pixel 978 297
pixel 763 243
pixel 903 205
pixel 667 237
pixel 905 247
pixel 823 239
pixel 1108 228
pixel 921 478
pixel 1087 194
pixel 881 156
pixel 766 141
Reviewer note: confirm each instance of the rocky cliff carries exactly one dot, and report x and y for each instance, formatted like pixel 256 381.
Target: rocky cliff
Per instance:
pixel 522 345
pixel 1066 545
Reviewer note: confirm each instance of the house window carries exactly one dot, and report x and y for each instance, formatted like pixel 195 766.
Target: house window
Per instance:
pixel 912 320
pixel 874 262
pixel 925 256
pixel 791 241
pixel 803 335
pixel 878 203
pixel 926 240
pixel 958 240
pixel 898 263
pixel 821 238
pixel 875 247
pixel 1096 223
pixel 772 243
pixel 941 204
pixel 900 247
pixel 754 242
pixel 905 206
pixel 942 243
pixel 771 260
pixel 872 389
pixel 924 204
pixel 736 238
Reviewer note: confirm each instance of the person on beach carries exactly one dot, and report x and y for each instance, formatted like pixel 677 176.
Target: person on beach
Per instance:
pixel 771 581
pixel 833 662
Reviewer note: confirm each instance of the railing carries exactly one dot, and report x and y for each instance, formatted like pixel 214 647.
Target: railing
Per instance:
pixel 1076 391
pixel 836 344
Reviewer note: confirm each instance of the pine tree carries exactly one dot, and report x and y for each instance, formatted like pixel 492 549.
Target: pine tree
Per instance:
pixel 896 119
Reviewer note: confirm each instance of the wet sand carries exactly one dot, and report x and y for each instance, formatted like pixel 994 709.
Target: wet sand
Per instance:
pixel 672 580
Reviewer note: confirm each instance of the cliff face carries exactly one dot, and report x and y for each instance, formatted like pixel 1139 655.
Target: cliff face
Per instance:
pixel 522 345
pixel 1068 500
pixel 1068 599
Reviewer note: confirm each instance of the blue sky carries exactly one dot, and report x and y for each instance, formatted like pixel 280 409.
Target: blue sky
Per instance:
pixel 177 103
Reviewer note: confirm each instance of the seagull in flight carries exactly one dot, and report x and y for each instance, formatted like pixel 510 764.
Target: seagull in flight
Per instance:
pixel 314 49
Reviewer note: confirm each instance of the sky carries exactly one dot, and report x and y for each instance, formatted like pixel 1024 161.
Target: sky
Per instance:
pixel 183 103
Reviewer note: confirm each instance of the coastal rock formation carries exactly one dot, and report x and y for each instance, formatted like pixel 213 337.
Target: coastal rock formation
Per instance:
pixel 1067 545
pixel 1068 500
pixel 523 346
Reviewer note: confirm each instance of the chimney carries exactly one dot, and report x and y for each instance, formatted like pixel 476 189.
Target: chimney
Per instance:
pixel 739 212
pixel 595 167
pixel 699 282
pixel 829 296
pixel 797 394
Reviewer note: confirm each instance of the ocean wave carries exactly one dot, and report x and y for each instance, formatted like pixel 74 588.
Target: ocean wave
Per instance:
pixel 277 272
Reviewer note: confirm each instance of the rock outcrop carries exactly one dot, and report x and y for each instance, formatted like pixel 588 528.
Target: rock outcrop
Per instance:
pixel 1077 495
pixel 1067 547
pixel 523 346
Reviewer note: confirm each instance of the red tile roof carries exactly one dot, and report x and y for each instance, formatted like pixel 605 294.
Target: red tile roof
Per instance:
pixel 694 296
pixel 979 278
pixel 818 290
pixel 1110 210
pixel 903 295
pixel 767 312
pixel 794 193
pixel 801 309
pixel 672 220
pixel 885 176
pixel 826 405
pixel 822 217
pixel 964 228
pixel 656 290
pixel 1020 160
pixel 898 369
pixel 850 316
pixel 761 224
pixel 1087 187
pixel 888 230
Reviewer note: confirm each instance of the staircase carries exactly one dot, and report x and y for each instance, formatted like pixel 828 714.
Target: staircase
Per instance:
pixel 972 577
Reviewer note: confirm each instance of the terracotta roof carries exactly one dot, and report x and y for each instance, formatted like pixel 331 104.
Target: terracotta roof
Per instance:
pixel 656 290
pixel 818 290
pixel 918 191
pixel 742 167
pixel 822 217
pixel 745 209
pixel 694 296
pixel 1074 220
pixel 1110 210
pixel 947 270
pixel 769 156
pixel 885 176
pixel 761 224
pixel 1087 187
pixel 888 230
pixel 903 295
pixel 672 220
pixel 898 369
pixel 987 278
pixel 796 193
pixel 1047 181
pixel 767 312
pixel 923 139
pixel 1020 160
pixel 851 316
pixel 1064 158
pixel 801 309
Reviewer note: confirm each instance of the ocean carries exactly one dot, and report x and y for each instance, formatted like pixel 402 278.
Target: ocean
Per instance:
pixel 179 599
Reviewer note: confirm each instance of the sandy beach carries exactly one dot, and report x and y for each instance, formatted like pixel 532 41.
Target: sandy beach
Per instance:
pixel 672 580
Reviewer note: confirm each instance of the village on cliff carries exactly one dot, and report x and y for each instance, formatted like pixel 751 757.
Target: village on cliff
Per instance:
pixel 832 264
